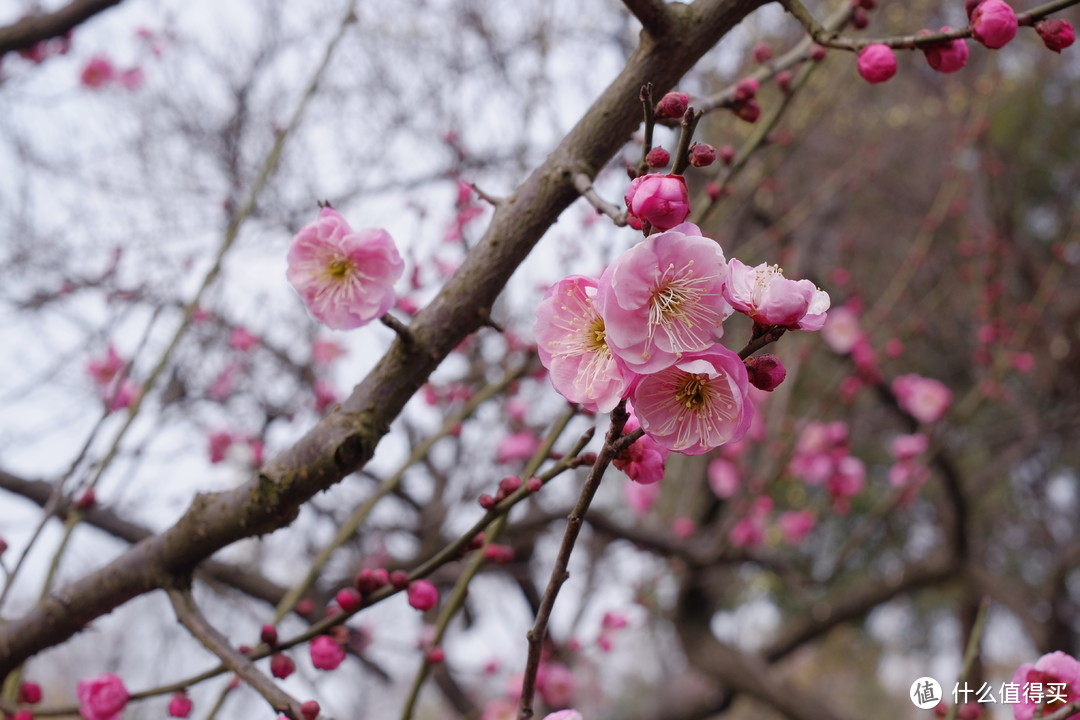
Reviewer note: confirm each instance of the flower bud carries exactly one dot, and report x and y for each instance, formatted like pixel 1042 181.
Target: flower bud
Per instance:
pixel 281 666
pixel 746 89
pixel 310 710
pixel 658 157
pixel 349 600
pixel 947 57
pixel 993 23
pixel 765 372
pixel 487 501
pixel 749 111
pixel 30 693
pixel 423 595
pixel 180 705
pixel 399 579
pixel 1056 34
pixel 817 52
pixel 435 655
pixel 661 200
pixel 702 155
pixel 762 53
pixel 783 81
pixel 727 154
pixel 534 484
pixel 672 105
pixel 860 19
pixel 269 635
pixel 877 63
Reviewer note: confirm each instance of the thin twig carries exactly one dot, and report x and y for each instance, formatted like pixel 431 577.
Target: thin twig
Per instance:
pixel 650 124
pixel 583 184
pixel 189 615
pixel 971 652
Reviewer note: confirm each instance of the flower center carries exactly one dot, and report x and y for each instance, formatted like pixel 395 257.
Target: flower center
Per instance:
pixel 340 268
pixel 678 306
pixel 595 337
pixel 693 393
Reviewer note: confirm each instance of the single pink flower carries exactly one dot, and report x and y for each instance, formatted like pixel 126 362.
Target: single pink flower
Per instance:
pixel 1057 679
pixel 643 462
pixel 325 352
pixel 222 386
pixel 345 278
pixel 104 370
pixel 241 339
pixel 905 447
pixel 555 683
pixel 842 331
pixel 132 80
pixel 97 72
pixel 123 396
pixel 614 620
pixel 640 497
pixel 499 709
pixel 768 297
pixel 569 714
pixel 1056 34
pixel 325 395
pixel 518 446
pixel 326 653
pixel 796 525
pixel 683 527
pixel 925 399
pixel 877 63
pixel 664 298
pixel 723 478
pixel 660 200
pixel 220 442
pixel 699 403
pixel 102 697
pixel 572 344
pixel 993 23
pixel 749 531
pixel 180 705
pixel 947 57
pixel 423 595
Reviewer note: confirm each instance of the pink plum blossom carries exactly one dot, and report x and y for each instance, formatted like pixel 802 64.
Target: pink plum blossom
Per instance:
pixel 241 339
pixel 518 446
pixel 796 525
pixel 1054 668
pixel 345 277
pixel 749 531
pixel 104 370
pixel 769 298
pixel 993 23
pixel 664 298
pixel 102 697
pixel 683 527
pixel 326 653
pixel 423 595
pixel 325 352
pixel 765 372
pixel 97 72
pixel 132 79
pixel 569 714
pixel 499 709
pixel 723 478
pixel 663 201
pixel 640 497
pixel 877 63
pixel 325 395
pixel 555 683
pixel 643 461
pixel 220 442
pixel 842 331
pixel 572 344
pixel 905 447
pixel 925 399
pixel 949 56
pixel 699 403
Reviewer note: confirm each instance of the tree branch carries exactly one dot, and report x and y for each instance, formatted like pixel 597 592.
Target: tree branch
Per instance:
pixel 653 15
pixel 34 28
pixel 346 439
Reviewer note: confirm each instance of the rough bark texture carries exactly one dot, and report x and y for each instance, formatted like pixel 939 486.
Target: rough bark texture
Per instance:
pixel 346 439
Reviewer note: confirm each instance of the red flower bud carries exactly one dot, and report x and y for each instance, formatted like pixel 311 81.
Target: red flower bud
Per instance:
pixel 658 157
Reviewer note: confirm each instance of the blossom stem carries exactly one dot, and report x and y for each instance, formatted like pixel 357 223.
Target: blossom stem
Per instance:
pixel 650 123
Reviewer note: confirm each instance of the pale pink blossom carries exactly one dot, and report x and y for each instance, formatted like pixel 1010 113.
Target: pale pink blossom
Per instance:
pixel 925 399
pixel 664 298
pixel 905 447
pixel 663 201
pixel 345 278
pixel 499 709
pixel 555 683
pixel 796 525
pixel 749 531
pixel 102 697
pixel 1055 669
pixel 699 403
pixel 723 478
pixel 123 396
pixel 105 370
pixel 326 653
pixel 97 72
pixel 516 447
pixel 569 714
pixel 132 79
pixel 572 344
pixel 614 620
pixel 219 443
pixel 325 352
pixel 241 339
pixel 325 395
pixel 683 527
pixel 222 386
pixel 769 298
pixel 640 497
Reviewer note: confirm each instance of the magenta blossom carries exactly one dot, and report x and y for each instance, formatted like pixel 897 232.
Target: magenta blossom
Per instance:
pixel 993 23
pixel 102 698
pixel 555 683
pixel 949 56
pixel 180 705
pixel 660 200
pixel 640 497
pixel 345 278
pixel 768 297
pixel 1050 683
pixel 572 344
pixel 103 371
pixel 925 399
pixel 1056 34
pixel 663 298
pixel 569 714
pixel 796 525
pixel 97 72
pixel 326 653
pixel 842 331
pixel 519 446
pixel 877 63
pixel 699 403
pixel 423 595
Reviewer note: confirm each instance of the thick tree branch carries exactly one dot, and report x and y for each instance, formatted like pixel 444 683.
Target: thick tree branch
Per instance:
pixel 653 15
pixel 346 439
pixel 35 28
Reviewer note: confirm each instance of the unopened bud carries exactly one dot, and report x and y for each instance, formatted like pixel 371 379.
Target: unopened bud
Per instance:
pixel 702 155
pixel 1056 34
pixel 672 105
pixel 658 157
pixel 765 372
pixel 749 111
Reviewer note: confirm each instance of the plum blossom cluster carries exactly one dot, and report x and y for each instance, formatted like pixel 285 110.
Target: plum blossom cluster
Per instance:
pixel 648 330
pixel 1046 686
pixel 993 24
